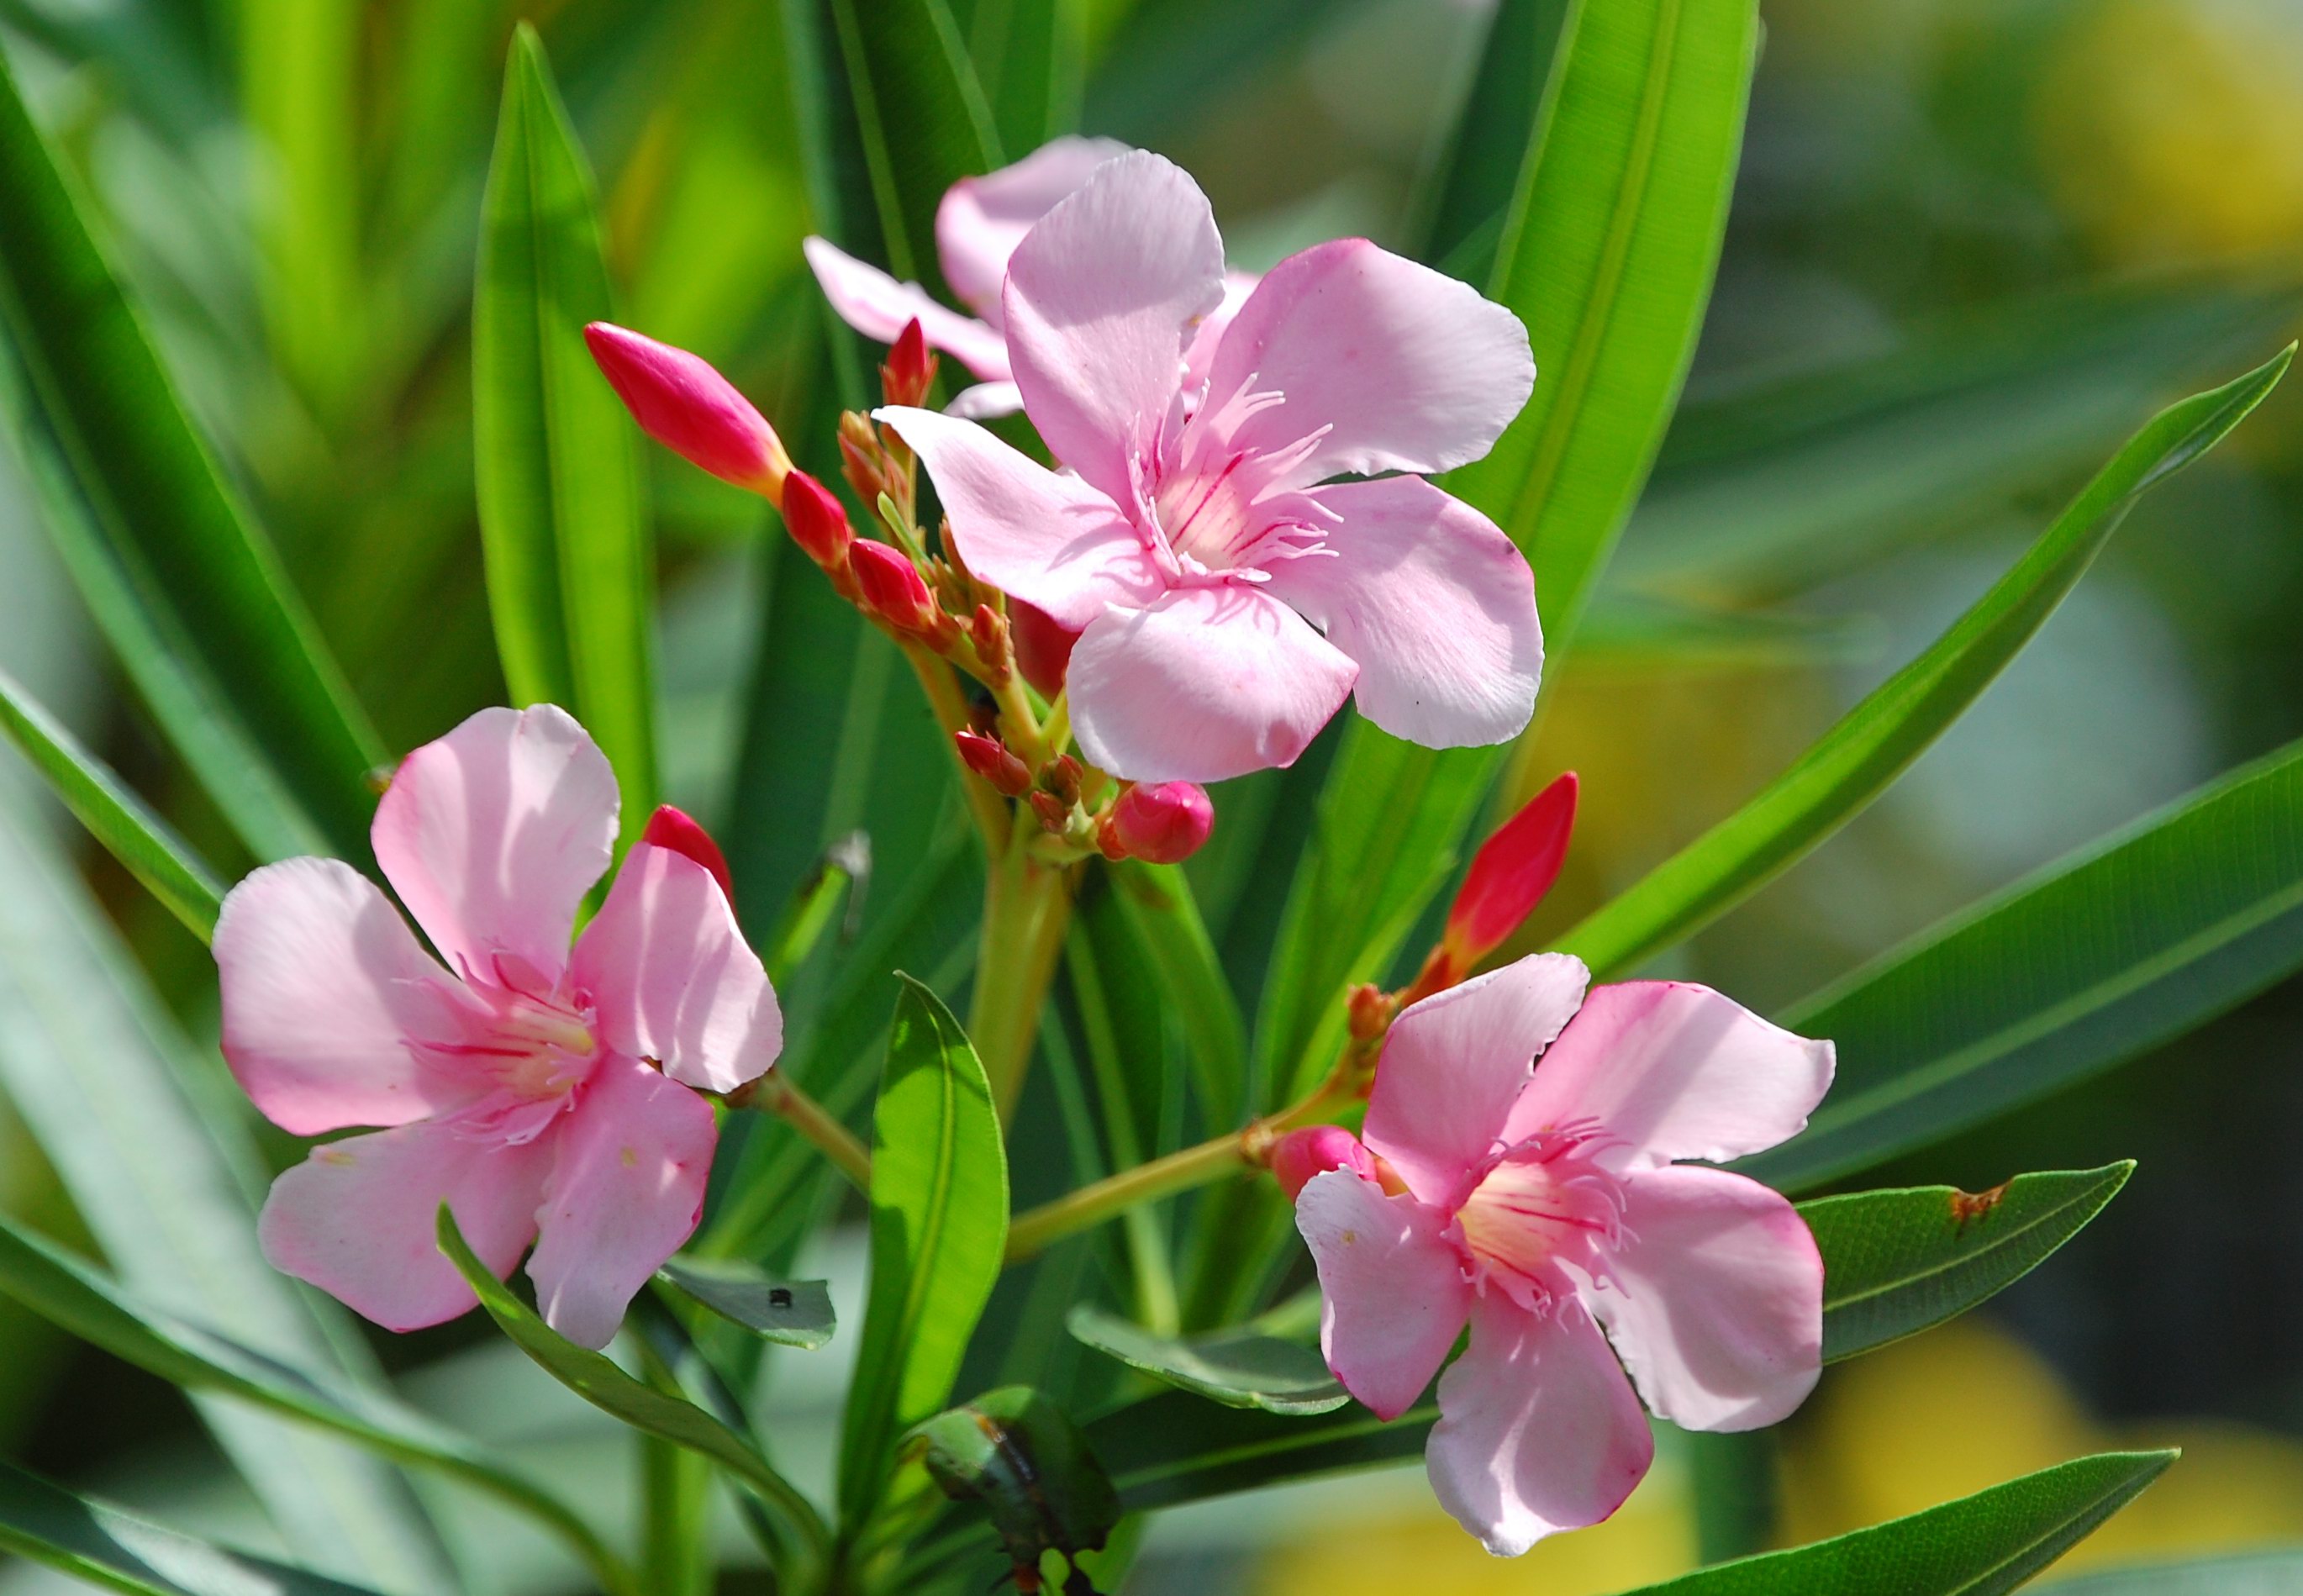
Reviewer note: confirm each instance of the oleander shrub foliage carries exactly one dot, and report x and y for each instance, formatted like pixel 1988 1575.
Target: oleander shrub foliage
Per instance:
pixel 1080 535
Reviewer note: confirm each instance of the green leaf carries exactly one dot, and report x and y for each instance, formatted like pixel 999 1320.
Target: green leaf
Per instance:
pixel 1158 901
pixel 2098 958
pixel 78 1299
pixel 1029 56
pixel 1469 187
pixel 2245 1574
pixel 1179 1447
pixel 789 1313
pixel 569 564
pixel 1857 759
pixel 1607 256
pixel 1896 1263
pixel 1021 1456
pixel 595 1377
pixel 161 517
pixel 922 118
pixel 938 1223
pixel 1238 1368
pixel 1978 1546
pixel 162 861
pixel 101 1544
pixel 1166 64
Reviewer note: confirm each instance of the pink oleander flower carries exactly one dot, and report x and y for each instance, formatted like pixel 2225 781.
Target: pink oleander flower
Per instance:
pixel 978 225
pixel 546 1095
pixel 1542 1207
pixel 1195 551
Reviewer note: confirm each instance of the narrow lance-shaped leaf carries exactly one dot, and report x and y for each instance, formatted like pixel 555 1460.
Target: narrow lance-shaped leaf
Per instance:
pixel 105 1547
pixel 1980 1545
pixel 162 861
pixel 1159 903
pixel 2096 960
pixel 1236 1368
pixel 790 1312
pixel 2242 1573
pixel 1467 191
pixel 161 516
pixel 1856 760
pixel 939 1224
pixel 567 559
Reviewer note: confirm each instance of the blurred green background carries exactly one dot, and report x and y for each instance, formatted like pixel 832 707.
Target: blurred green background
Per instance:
pixel 1974 243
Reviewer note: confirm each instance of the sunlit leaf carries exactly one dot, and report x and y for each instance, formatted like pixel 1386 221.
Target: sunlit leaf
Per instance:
pixel 792 1312
pixel 1238 1368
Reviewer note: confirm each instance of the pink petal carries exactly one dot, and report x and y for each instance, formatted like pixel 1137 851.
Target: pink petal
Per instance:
pixel 1037 535
pixel 1454 1064
pixel 1434 605
pixel 1101 298
pixel 1206 683
pixel 1413 370
pixel 982 219
pixel 493 834
pixel 1200 355
pixel 322 985
pixel 1539 1430
pixel 985 401
pixel 1393 1295
pixel 1716 1305
pixel 877 305
pixel 1675 1070
pixel 671 978
pixel 358 1219
pixel 626 1188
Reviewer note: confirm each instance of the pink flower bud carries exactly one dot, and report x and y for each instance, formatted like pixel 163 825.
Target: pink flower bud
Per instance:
pixel 891 585
pixel 681 402
pixel 1314 1149
pixel 1165 824
pixel 817 521
pixel 989 757
pixel 911 367
pixel 1510 874
pixel 1044 650
pixel 670 828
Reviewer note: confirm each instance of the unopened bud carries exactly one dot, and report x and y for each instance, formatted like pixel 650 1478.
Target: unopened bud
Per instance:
pixel 1300 1154
pixel 989 757
pixel 1509 875
pixel 1369 1012
pixel 1054 812
pixel 1165 822
pixel 817 521
pixel 681 402
pixel 891 586
pixel 1061 776
pixel 987 630
pixel 1043 649
pixel 669 828
pixel 859 458
pixel 911 367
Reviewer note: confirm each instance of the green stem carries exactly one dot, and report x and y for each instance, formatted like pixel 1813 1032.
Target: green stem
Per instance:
pixel 1027 906
pixel 776 1093
pixel 951 705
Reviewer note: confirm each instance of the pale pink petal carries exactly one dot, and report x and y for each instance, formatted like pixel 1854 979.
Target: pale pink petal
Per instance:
pixel 1673 1070
pixel 982 219
pixel 1411 369
pixel 359 1218
pixel 1434 605
pixel 1206 683
pixel 1037 535
pixel 985 401
pixel 493 834
pixel 1454 1064
pixel 1393 1295
pixel 1200 355
pixel 1715 1302
pixel 626 1188
pixel 323 985
pixel 877 305
pixel 671 977
pixel 1539 1430
pixel 1101 296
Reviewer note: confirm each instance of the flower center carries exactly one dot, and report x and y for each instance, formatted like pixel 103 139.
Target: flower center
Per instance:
pixel 1224 511
pixel 527 1051
pixel 1544 1201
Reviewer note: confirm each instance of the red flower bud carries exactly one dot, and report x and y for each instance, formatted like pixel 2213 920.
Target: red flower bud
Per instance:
pixel 669 828
pixel 1061 776
pixel 1165 824
pixel 1509 875
pixel 1314 1149
pixel 989 633
pixel 1369 1011
pixel 817 521
pixel 891 585
pixel 1044 650
pixel 911 367
pixel 989 757
pixel 1054 812
pixel 681 402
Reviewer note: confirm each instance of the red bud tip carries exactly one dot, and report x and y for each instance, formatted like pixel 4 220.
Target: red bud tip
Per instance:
pixel 817 521
pixel 1510 874
pixel 988 632
pixel 1044 650
pixel 911 367
pixel 1300 1154
pixel 989 757
pixel 1061 776
pixel 668 828
pixel 863 473
pixel 1054 812
pixel 1165 824
pixel 891 585
pixel 681 402
pixel 1368 1011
